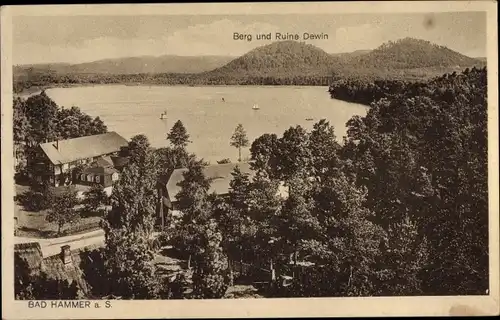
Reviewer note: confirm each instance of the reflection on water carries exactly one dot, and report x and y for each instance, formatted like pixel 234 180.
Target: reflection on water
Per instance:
pixel 131 110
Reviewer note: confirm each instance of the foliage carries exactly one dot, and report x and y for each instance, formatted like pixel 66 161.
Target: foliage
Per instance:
pixel 239 139
pixel 63 210
pixel 423 157
pixel 134 200
pixel 95 197
pixel 92 264
pixel 130 247
pixel 194 203
pixel 23 282
pixel 73 123
pixel 42 112
pixel 40 197
pixel 210 277
pixel 139 149
pixel 129 264
pixel 21 124
pixel 265 155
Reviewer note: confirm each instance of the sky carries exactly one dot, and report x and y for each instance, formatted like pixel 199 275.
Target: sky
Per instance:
pixel 78 39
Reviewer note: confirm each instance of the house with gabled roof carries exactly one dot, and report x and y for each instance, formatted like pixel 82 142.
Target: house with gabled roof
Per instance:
pixel 220 176
pixel 98 153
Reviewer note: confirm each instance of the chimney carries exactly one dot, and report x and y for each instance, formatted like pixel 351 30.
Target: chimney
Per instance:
pixel 56 144
pixel 66 254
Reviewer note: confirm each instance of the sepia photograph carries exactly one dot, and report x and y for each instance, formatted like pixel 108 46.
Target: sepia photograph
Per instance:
pixel 169 153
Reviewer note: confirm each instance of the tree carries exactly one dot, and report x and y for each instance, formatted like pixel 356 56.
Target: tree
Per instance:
pixel 134 200
pixel 63 210
pixel 41 111
pixel 23 282
pixel 425 169
pixel 299 221
pixel 193 196
pixel 239 139
pixel 324 149
pixel 196 207
pixel 350 242
pixel 129 263
pixel 95 198
pixel 295 157
pixel 178 135
pixel 265 154
pixel 139 149
pixel 21 124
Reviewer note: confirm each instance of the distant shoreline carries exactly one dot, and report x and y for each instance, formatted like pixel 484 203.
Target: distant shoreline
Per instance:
pixel 36 89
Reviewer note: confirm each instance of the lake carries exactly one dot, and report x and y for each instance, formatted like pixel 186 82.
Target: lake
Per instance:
pixel 210 122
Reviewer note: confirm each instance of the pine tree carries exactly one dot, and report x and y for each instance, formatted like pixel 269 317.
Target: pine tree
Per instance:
pixel 239 139
pixel 178 136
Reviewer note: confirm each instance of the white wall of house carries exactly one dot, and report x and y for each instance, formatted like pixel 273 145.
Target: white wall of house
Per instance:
pixel 108 190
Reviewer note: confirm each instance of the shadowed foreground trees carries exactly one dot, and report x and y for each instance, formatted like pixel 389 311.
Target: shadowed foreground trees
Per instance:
pixel 421 159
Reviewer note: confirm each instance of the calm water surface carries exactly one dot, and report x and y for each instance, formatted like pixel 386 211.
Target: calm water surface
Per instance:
pixel 131 110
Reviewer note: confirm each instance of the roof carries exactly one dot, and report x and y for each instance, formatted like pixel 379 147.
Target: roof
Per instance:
pixel 99 170
pixel 119 162
pixel 31 253
pixel 219 173
pixel 74 271
pixel 83 147
pixel 105 162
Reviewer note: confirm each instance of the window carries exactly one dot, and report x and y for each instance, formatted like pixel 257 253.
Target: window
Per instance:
pixel 82 177
pixel 97 179
pixel 65 167
pixel 89 178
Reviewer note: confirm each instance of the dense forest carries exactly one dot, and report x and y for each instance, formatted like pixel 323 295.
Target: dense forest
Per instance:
pixel 279 63
pixel 366 91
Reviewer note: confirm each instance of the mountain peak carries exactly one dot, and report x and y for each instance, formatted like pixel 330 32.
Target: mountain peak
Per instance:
pixel 282 57
pixel 414 53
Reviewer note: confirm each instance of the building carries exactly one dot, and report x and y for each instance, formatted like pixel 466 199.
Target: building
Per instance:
pixel 100 171
pixel 220 176
pixel 68 268
pixel 96 154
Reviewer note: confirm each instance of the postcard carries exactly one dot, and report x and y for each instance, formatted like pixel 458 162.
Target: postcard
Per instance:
pixel 250 160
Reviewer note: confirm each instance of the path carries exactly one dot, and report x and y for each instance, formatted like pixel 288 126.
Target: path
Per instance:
pixel 52 246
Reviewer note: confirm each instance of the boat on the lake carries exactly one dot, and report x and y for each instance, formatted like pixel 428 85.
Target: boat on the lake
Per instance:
pixel 255 107
pixel 163 115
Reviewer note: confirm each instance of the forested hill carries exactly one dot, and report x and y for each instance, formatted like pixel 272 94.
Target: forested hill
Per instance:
pixel 411 53
pixel 279 59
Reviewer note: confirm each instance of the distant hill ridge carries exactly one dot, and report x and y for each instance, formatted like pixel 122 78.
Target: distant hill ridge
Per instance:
pixel 133 65
pixel 283 59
